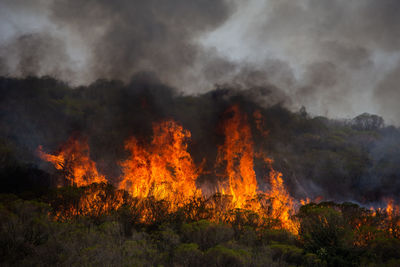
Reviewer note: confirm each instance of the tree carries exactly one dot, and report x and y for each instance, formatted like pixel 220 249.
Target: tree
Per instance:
pixel 367 122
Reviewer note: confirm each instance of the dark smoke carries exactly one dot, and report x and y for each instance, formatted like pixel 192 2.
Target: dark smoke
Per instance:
pixel 330 56
pixel 387 93
pixel 35 54
pixel 124 37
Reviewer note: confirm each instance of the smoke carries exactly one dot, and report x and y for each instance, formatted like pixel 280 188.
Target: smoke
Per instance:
pixel 387 94
pixel 332 57
pixel 120 38
pixel 337 51
pixel 35 54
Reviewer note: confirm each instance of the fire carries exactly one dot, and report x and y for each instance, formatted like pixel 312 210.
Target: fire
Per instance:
pixel 305 201
pixel 75 163
pixel 163 169
pixel 238 155
pixel 95 200
pixel 282 202
pixel 390 208
pixel 393 214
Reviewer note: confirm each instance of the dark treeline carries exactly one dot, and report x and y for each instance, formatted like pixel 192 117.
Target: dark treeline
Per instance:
pixel 342 160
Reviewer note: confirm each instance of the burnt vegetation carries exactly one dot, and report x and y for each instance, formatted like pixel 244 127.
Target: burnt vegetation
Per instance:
pixel 354 162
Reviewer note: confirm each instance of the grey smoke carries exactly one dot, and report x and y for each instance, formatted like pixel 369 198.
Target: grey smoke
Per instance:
pixel 337 58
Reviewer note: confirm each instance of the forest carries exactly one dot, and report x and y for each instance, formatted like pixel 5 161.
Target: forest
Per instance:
pixel 337 179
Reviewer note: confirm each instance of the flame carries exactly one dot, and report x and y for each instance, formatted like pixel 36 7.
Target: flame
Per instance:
pixel 389 208
pixel 75 163
pixel 163 169
pixel 282 202
pixel 393 217
pixel 95 200
pixel 237 153
pixel 305 201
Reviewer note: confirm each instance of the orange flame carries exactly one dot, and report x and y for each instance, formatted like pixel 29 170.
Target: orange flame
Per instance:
pixel 237 153
pixel 390 208
pixel 74 161
pixel 96 200
pixel 282 202
pixel 393 214
pixel 305 201
pixel 164 169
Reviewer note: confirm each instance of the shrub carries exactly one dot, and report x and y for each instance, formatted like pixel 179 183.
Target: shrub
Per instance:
pixel 188 255
pixel 223 256
pixel 206 234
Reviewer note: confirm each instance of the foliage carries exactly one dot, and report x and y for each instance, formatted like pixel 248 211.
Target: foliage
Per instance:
pixel 357 159
pixel 330 235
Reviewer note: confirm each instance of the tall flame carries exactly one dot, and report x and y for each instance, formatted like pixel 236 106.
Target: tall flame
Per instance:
pixel 393 216
pixel 238 155
pixel 74 161
pixel 282 202
pixel 163 169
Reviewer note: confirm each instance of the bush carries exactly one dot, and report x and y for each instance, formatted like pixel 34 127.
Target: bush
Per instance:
pixel 188 255
pixel 206 234
pixel 287 253
pixel 223 256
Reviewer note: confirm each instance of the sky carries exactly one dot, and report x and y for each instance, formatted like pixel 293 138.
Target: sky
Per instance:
pixel 337 58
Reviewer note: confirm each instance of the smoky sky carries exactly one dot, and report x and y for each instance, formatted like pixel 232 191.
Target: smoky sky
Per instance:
pixel 337 58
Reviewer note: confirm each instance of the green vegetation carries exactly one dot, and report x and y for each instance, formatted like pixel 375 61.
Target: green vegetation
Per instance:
pixel 330 235
pixel 355 159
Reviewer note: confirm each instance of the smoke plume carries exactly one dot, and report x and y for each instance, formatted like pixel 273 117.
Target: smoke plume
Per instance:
pixel 334 57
